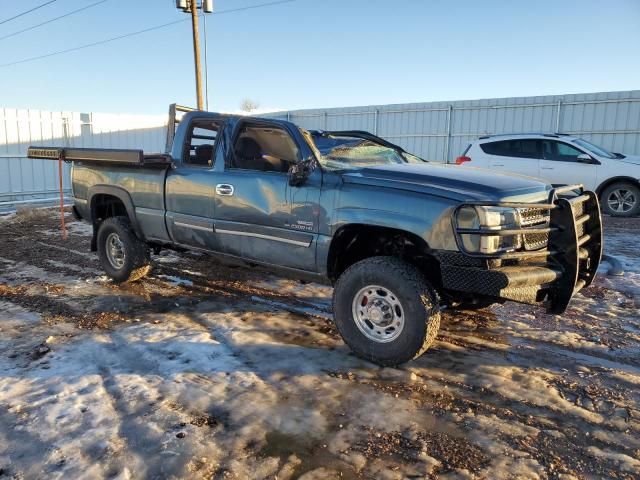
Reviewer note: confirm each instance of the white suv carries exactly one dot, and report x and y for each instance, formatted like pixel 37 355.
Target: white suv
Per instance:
pixel 563 160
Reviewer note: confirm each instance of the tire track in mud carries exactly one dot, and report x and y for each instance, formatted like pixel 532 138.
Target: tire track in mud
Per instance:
pixel 564 453
pixel 216 279
pixel 22 242
pixel 54 309
pixel 523 350
pixel 568 383
pixel 152 415
pixel 239 288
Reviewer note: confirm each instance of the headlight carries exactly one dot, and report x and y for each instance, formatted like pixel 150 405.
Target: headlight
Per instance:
pixel 489 218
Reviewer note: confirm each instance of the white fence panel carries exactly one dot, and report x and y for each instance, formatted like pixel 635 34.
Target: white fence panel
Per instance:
pixel 440 131
pixel 24 180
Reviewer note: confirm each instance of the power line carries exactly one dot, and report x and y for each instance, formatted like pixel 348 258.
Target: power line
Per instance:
pixel 28 11
pixel 94 44
pixel 242 9
pixel 52 20
pixel 139 32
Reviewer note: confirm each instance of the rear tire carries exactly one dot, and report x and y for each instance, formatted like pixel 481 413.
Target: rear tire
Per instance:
pixel 621 199
pixel 386 311
pixel 124 257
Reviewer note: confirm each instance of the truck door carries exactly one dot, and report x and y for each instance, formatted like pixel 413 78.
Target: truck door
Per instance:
pixel 190 186
pixel 258 215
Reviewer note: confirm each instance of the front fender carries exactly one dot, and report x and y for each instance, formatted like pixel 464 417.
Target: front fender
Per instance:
pixel 432 225
pixel 380 218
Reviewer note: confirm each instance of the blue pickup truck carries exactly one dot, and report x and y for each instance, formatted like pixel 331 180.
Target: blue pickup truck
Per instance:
pixel 399 238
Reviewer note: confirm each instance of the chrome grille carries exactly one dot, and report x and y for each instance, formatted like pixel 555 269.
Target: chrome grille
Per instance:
pixel 534 217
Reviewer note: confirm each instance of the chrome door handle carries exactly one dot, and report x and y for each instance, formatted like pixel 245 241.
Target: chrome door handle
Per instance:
pixel 224 189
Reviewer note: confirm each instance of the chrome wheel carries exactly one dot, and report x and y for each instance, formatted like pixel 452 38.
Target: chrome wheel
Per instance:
pixel 378 313
pixel 621 200
pixel 115 251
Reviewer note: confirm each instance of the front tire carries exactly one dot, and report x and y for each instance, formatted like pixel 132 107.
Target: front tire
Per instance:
pixel 386 311
pixel 621 199
pixel 124 257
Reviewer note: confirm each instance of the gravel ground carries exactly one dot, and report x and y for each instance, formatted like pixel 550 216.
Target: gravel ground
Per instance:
pixel 210 371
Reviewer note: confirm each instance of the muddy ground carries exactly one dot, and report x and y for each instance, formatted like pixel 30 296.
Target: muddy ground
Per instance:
pixel 210 371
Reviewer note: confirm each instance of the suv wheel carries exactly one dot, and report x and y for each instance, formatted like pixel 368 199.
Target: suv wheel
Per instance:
pixel 385 310
pixel 621 200
pixel 122 254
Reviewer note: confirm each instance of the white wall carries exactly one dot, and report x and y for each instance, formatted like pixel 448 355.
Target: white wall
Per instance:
pixel 440 131
pixel 24 179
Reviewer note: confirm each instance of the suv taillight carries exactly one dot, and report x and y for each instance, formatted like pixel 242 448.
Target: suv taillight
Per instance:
pixel 462 159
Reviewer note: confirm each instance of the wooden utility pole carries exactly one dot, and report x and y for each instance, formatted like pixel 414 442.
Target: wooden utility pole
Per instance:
pixel 196 52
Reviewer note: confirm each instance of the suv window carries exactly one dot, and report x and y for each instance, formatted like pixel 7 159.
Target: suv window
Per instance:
pixel 264 148
pixel 200 142
pixel 562 152
pixel 513 148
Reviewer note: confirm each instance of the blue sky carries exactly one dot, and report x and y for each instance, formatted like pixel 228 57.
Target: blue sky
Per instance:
pixel 319 53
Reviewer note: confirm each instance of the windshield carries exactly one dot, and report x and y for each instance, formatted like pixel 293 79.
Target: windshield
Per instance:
pixel 346 153
pixel 596 150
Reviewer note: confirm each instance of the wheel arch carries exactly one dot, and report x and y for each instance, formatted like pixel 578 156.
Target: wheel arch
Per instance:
pixel 108 201
pixel 353 242
pixel 619 179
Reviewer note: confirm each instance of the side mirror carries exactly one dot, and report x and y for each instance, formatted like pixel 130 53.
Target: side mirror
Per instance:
pixel 300 171
pixel 584 158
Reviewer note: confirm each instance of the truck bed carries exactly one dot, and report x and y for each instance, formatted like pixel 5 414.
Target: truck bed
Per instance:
pixel 104 156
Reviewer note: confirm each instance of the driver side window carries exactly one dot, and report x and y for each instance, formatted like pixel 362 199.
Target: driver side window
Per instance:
pixel 560 151
pixel 264 149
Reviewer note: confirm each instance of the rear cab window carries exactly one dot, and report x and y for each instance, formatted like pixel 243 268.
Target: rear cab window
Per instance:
pixel 200 143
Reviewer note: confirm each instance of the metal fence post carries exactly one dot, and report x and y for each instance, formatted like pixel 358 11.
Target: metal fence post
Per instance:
pixel 65 131
pixel 375 121
pixel 447 145
pixel 558 116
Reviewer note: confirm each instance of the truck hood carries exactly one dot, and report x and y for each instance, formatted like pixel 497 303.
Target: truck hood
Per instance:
pixel 451 181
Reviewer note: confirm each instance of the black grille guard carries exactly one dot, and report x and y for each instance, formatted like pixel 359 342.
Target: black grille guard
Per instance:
pixel 575 241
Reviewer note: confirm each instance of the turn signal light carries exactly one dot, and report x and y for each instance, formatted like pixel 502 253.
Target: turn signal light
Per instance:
pixel 463 159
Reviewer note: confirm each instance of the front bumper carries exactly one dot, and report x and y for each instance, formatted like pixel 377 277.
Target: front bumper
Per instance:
pixel 552 274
